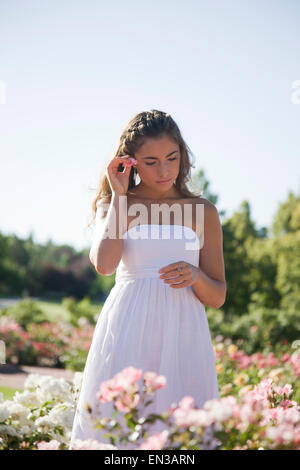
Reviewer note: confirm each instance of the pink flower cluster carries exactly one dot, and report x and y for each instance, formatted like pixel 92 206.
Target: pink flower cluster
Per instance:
pixel 266 406
pixel 156 441
pixel 245 361
pixel 43 342
pixel 7 325
pixel 124 388
pixel 266 411
pixel 51 445
pixel 78 444
pixel 283 421
pixel 260 361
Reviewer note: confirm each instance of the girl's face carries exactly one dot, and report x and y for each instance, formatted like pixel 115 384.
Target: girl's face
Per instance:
pixel 158 163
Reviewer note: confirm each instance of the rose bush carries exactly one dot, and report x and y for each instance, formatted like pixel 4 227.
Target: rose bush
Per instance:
pixel 258 408
pixel 47 344
pixel 263 416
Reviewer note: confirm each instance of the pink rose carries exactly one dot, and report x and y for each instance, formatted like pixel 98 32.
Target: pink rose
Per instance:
pixel 129 162
pixel 124 381
pixel 127 402
pixel 155 442
pixel 52 445
pixel 154 381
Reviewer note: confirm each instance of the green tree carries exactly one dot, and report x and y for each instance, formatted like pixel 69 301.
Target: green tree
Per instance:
pixel 286 228
pixel 287 219
pixel 239 232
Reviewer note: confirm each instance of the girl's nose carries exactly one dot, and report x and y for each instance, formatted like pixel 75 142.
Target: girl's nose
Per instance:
pixel 163 171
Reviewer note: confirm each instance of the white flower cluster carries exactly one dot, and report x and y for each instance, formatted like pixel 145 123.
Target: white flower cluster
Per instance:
pixel 47 405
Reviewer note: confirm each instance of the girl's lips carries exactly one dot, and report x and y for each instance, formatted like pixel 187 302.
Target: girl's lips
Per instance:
pixel 165 181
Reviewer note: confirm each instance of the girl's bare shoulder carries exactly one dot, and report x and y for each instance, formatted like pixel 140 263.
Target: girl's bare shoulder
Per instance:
pixel 203 200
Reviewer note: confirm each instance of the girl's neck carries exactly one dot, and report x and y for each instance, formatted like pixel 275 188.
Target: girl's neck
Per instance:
pixel 144 193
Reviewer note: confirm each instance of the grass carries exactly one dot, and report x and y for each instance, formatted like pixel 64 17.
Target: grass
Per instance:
pixel 9 392
pixel 55 310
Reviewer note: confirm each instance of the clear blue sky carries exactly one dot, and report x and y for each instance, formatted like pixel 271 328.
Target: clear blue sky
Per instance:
pixel 76 71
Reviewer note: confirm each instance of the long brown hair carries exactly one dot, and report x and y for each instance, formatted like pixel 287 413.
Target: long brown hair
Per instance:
pixel 151 124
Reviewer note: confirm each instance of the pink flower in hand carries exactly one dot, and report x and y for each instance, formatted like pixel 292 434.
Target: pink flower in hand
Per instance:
pixel 129 162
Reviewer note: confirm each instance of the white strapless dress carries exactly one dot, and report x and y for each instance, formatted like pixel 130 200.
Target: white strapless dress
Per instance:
pixel 149 325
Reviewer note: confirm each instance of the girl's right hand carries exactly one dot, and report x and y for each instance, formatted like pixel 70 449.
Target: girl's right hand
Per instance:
pixel 118 180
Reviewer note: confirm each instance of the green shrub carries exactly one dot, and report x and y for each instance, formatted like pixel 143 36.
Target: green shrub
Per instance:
pixel 260 328
pixel 25 312
pixel 82 308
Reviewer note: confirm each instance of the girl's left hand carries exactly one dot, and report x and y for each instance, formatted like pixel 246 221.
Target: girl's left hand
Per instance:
pixel 187 276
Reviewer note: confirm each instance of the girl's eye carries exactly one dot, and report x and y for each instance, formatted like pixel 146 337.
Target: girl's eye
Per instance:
pixel 170 160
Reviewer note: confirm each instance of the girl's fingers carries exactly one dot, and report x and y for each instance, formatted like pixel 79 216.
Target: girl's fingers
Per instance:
pixel 127 162
pixel 122 159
